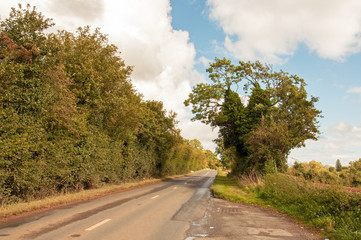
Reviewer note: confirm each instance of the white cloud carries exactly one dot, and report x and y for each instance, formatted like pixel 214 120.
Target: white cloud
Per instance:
pixel 331 146
pixel 163 58
pixel 88 10
pixel 341 128
pixel 356 90
pixel 341 141
pixel 272 30
pixel 199 130
pixel 205 61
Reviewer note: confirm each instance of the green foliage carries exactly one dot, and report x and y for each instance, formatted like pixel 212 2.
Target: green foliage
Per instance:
pixel 195 143
pixel 70 118
pixel 338 165
pixel 227 156
pixel 315 172
pixel 333 210
pixel 269 146
pixel 330 208
pixel 26 27
pixel 355 173
pixel 213 160
pixel 278 117
pixel 348 176
pixel 229 188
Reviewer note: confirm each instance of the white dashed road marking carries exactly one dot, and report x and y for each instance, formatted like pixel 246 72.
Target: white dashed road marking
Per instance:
pixel 155 197
pixel 98 224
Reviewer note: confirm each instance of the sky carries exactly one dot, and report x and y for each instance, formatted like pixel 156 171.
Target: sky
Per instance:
pixel 171 42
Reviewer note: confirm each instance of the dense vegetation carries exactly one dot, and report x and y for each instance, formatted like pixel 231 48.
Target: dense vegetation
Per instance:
pixel 332 209
pixel 314 171
pixel 335 212
pixel 259 126
pixel 70 118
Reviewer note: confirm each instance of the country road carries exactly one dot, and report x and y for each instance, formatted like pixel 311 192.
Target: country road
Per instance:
pixel 181 209
pixel 160 211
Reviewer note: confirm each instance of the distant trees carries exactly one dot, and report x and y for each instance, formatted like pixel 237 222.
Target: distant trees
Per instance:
pixel 315 171
pixel 338 165
pixel 195 143
pixel 257 131
pixel 355 173
pixel 70 117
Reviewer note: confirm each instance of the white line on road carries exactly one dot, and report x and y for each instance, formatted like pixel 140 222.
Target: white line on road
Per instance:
pixel 98 224
pixel 155 197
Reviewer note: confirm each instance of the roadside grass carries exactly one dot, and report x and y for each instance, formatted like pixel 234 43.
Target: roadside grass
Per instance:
pixel 336 213
pixel 69 198
pixel 333 210
pixel 230 189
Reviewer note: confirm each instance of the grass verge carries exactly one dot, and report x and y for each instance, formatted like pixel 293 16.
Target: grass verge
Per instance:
pixel 8 211
pixel 233 190
pixel 334 212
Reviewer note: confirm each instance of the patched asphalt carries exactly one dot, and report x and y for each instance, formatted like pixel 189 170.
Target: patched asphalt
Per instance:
pixel 227 220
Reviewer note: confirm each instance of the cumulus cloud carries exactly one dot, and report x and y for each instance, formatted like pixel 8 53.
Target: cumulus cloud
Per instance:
pixel 199 130
pixel 272 30
pixel 67 14
pixel 340 141
pixel 163 58
pixel 88 10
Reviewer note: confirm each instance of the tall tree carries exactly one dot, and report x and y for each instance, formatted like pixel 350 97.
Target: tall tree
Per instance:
pixel 23 101
pixel 277 106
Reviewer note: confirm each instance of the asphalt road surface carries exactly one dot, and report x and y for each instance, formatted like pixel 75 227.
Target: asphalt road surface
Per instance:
pixel 161 211
pixel 175 209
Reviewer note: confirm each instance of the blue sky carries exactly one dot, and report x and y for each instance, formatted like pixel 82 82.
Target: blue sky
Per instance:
pixel 328 79
pixel 170 42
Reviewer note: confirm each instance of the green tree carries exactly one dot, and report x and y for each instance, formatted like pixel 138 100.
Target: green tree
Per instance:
pixel 26 27
pixel 338 165
pixel 158 133
pixel 268 146
pixel 23 101
pixel 278 106
pixel 227 156
pixel 316 172
pixel 355 173
pixel 195 143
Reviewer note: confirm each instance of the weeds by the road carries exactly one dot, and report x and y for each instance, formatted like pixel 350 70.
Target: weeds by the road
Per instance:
pixel 231 189
pixel 332 210
pixel 336 211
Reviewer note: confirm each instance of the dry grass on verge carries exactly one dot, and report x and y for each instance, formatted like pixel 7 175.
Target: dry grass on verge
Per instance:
pixel 67 199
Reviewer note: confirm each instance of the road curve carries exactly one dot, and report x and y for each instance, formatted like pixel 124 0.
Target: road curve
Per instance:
pixel 161 211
